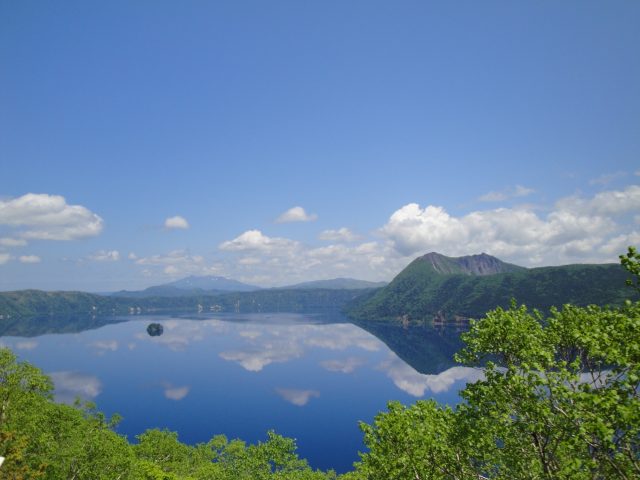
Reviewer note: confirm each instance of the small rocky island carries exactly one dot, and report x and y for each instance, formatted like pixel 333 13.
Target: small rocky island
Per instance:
pixel 154 329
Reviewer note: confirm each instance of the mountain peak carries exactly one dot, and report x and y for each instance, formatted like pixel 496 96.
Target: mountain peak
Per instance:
pixel 340 283
pixel 211 282
pixel 481 264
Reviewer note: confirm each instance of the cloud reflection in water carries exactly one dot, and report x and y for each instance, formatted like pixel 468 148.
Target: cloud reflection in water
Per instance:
pixel 26 345
pixel 297 397
pixel 175 393
pixel 348 365
pixel 103 346
pixel 179 334
pixel 267 344
pixel 70 385
pixel 414 383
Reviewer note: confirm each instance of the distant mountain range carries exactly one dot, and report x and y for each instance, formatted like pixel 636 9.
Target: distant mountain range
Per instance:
pixel 431 287
pixel 189 287
pixel 336 284
pixel 436 286
pixel 195 293
pixel 27 303
pixel 211 282
pixel 212 285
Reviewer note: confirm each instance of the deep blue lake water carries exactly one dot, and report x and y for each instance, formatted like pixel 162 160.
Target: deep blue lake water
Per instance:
pixel 243 375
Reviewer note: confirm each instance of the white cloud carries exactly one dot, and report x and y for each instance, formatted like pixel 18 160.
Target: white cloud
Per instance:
pixel 26 345
pixel 282 261
pixel 348 365
pixel 296 214
pixel 366 248
pixel 255 240
pixel 411 228
pixel 499 196
pixel 611 202
pixel 255 358
pixel 178 263
pixel 575 229
pixel 521 191
pixel 341 337
pixel 4 258
pixel 330 251
pixel 250 334
pixel 607 178
pixel 12 242
pixel 176 223
pixel 69 385
pixel 493 197
pixel 297 397
pixel 171 270
pixel 29 259
pixel 103 346
pixel 248 261
pixel 175 393
pixel 269 344
pixel 619 244
pixel 410 381
pixel 48 217
pixel 178 335
pixel 341 235
pixel 105 256
pixel 132 256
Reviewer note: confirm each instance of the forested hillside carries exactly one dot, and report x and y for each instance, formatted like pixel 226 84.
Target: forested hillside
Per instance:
pixel 24 303
pixel 424 289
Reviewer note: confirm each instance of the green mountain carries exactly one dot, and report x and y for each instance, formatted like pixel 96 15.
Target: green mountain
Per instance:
pixel 436 286
pixel 29 303
pixel 481 265
pixel 36 302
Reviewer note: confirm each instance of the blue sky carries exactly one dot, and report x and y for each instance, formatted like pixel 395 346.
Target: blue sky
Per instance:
pixel 396 128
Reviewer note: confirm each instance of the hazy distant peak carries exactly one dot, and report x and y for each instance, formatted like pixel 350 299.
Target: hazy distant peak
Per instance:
pixel 337 284
pixel 482 264
pixel 211 282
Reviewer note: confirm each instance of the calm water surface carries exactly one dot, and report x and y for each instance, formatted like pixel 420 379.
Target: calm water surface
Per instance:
pixel 243 375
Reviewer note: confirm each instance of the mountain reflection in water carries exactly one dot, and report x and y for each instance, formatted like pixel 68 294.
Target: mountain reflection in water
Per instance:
pixel 306 376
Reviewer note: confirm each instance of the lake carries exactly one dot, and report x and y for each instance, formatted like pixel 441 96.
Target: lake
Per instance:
pixel 309 377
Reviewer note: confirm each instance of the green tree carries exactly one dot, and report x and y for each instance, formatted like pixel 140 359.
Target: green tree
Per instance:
pixel 631 262
pixel 42 439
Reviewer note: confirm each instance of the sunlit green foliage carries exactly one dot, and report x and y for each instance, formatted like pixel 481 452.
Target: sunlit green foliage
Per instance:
pixel 631 262
pixel 42 439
